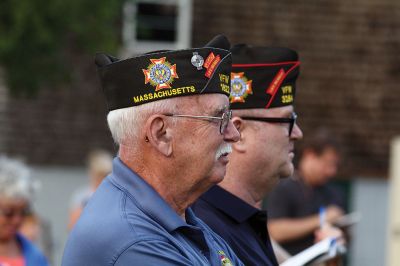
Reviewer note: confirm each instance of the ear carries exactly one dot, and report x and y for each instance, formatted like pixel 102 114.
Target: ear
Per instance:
pixel 240 145
pixel 158 134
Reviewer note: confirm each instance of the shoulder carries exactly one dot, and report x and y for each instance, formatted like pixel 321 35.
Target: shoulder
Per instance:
pixel 204 210
pixel 211 217
pixel 103 229
pixel 122 230
pixel 218 206
pixel 212 225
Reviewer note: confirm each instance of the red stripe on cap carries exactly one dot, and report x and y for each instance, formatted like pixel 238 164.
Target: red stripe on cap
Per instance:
pixel 209 60
pixel 276 82
pixel 279 82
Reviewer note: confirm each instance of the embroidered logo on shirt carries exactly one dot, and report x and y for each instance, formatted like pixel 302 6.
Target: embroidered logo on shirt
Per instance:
pixel 225 261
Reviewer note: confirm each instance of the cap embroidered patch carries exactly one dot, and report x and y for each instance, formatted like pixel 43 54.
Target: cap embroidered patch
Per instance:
pixel 240 87
pixel 273 72
pixel 160 73
pixel 210 63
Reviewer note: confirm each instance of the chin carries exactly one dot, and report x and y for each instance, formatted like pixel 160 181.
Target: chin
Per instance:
pixel 217 176
pixel 287 171
pixel 217 179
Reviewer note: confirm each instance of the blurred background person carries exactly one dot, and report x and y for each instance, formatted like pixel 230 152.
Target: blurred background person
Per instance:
pixel 294 205
pixel 16 193
pixel 99 166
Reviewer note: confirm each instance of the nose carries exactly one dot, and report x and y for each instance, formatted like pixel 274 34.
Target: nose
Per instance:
pixel 297 133
pixel 231 134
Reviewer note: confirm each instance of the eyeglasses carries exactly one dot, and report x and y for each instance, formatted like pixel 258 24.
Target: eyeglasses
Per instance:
pixel 291 120
pixel 10 213
pixel 225 118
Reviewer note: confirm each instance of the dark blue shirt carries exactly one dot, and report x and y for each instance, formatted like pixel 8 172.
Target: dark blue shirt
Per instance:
pixel 293 199
pixel 126 222
pixel 240 224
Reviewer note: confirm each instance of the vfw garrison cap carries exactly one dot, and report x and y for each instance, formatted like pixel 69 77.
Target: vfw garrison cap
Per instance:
pixel 263 77
pixel 165 74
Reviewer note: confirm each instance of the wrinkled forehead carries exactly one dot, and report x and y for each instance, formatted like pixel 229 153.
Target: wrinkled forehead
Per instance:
pixel 211 103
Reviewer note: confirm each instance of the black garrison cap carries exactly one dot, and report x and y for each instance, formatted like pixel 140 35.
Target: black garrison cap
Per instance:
pixel 263 77
pixel 165 74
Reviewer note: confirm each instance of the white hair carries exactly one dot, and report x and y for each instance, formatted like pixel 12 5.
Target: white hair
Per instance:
pixel 15 180
pixel 126 123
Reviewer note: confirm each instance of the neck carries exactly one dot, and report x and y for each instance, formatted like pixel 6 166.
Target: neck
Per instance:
pixel 241 190
pixel 247 183
pixel 178 201
pixel 165 180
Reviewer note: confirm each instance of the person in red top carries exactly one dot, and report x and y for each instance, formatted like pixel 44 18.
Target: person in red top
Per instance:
pixel 16 191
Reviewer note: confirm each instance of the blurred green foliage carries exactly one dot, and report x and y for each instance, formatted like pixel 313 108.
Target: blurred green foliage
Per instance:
pixel 38 37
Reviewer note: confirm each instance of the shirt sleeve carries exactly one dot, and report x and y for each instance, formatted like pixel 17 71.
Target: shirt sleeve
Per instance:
pixel 152 252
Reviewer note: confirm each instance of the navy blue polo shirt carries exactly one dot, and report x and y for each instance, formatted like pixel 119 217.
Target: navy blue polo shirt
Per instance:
pixel 240 224
pixel 126 222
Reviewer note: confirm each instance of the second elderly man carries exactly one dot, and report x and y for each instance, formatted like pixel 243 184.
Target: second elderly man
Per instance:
pixel 263 89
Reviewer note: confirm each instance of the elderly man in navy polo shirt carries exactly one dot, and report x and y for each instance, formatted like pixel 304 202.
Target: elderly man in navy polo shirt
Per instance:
pixel 263 88
pixel 169 113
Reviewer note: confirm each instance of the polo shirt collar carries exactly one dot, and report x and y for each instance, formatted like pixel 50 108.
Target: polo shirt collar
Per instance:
pixel 145 197
pixel 229 204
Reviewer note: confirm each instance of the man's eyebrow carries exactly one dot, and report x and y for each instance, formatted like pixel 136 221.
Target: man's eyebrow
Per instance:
pixel 220 110
pixel 288 114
